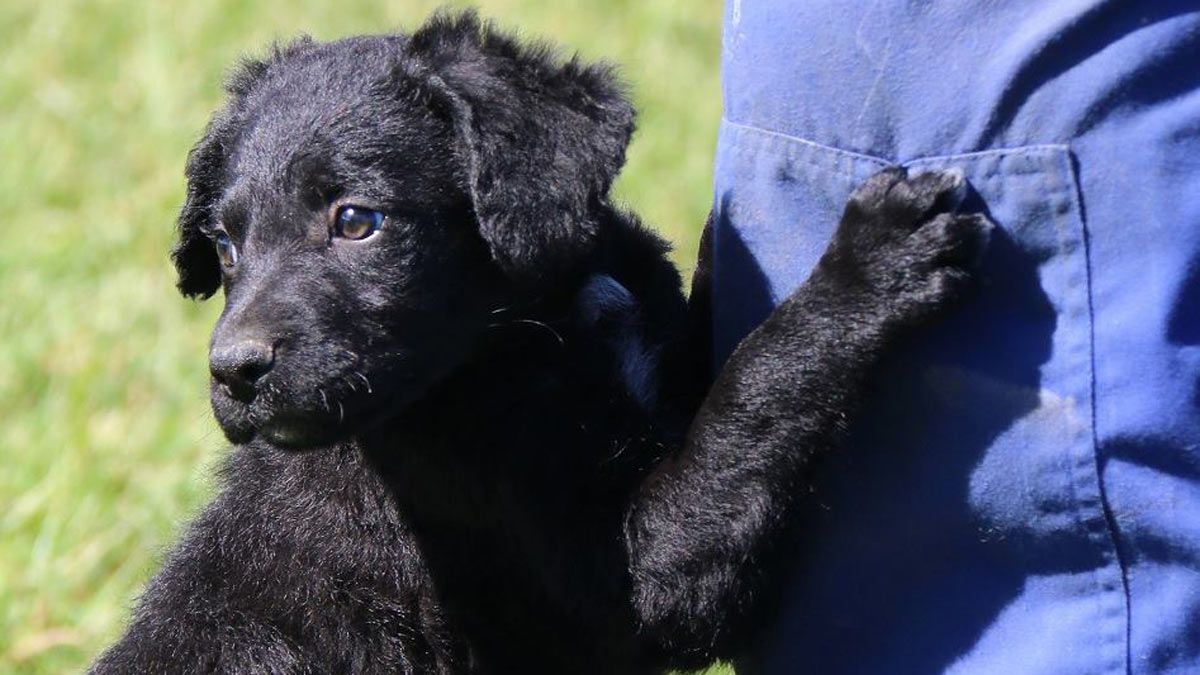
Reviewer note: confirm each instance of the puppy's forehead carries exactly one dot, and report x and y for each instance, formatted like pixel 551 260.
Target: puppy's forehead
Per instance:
pixel 336 111
pixel 304 102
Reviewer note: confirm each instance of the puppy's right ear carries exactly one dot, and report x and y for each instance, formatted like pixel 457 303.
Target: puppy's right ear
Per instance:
pixel 194 256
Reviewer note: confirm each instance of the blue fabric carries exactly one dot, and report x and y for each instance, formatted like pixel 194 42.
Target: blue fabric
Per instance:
pixel 1023 495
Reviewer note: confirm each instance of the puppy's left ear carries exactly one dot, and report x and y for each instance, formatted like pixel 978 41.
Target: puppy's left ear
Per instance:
pixel 542 140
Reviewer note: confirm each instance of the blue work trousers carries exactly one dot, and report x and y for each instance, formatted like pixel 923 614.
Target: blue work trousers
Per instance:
pixel 1022 493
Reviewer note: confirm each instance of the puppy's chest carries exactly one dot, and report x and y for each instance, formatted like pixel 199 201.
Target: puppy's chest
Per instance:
pixel 438 556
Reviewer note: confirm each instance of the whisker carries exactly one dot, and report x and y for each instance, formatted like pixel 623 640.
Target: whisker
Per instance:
pixel 620 451
pixel 561 342
pixel 532 322
pixel 365 381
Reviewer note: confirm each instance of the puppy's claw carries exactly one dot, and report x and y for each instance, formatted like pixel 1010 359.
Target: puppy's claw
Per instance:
pixel 934 192
pixel 953 189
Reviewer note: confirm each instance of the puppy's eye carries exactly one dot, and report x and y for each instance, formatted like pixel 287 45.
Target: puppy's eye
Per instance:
pixel 356 222
pixel 226 249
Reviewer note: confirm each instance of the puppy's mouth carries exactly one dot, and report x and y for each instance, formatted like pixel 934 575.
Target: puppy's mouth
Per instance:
pixel 293 432
pixel 287 429
pixel 293 422
pixel 305 420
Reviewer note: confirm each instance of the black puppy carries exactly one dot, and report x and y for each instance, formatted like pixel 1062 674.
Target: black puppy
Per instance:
pixel 465 397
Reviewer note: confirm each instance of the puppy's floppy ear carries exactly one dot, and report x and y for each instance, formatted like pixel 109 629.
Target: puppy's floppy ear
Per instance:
pixel 542 140
pixel 194 256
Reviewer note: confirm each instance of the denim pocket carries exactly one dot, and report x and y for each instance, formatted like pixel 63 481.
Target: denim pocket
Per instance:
pixel 969 503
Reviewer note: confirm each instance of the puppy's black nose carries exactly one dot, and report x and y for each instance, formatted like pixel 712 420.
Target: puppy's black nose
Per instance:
pixel 240 364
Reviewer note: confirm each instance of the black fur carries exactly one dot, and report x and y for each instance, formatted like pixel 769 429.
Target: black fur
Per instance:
pixel 479 443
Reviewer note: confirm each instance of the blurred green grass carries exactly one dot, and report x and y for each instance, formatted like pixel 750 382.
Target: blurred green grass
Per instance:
pixel 106 438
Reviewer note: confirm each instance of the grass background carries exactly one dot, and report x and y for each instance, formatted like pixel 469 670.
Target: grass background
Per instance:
pixel 106 440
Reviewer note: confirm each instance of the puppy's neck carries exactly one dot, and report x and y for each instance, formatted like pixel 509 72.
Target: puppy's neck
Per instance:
pixel 544 408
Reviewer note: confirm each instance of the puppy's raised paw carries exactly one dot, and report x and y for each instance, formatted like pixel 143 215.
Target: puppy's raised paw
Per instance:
pixel 904 247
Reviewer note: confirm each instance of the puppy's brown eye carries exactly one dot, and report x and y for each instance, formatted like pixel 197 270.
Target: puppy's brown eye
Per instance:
pixel 226 249
pixel 356 222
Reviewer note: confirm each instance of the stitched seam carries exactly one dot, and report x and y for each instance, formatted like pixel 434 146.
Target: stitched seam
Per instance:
pixel 812 144
pixel 806 157
pixel 799 153
pixel 1105 508
pixel 1015 150
pixel 882 161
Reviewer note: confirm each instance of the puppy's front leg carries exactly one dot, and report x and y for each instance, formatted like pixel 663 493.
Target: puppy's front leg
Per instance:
pixel 702 531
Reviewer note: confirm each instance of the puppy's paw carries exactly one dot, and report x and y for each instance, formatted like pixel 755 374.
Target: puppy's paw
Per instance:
pixel 903 248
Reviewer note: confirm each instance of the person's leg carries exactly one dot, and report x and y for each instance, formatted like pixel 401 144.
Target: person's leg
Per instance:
pixel 1023 494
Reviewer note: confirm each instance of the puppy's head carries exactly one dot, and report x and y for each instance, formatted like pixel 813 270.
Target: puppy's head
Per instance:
pixel 365 204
